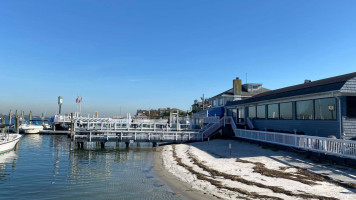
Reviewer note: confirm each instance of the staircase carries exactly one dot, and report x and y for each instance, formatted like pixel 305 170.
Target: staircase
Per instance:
pixel 211 129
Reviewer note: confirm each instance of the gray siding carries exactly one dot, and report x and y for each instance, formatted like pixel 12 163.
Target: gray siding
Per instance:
pixel 349 128
pixel 349 86
pixel 320 128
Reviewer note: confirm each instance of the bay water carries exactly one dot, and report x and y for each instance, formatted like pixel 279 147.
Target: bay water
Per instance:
pixel 51 167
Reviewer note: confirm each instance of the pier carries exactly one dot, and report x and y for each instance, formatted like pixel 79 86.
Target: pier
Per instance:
pixel 175 130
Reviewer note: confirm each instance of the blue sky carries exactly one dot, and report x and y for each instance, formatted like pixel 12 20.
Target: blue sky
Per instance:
pixel 150 54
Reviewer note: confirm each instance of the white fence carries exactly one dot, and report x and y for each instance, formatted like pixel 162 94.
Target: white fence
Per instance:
pixel 336 147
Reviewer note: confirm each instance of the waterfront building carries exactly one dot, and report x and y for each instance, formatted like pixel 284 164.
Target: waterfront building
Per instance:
pixel 239 91
pixel 198 105
pixel 325 108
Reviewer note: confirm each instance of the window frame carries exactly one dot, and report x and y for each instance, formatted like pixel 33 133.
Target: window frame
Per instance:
pixel 268 111
pixel 248 109
pixel 264 105
pixel 313 109
pixel 336 109
pixel 291 102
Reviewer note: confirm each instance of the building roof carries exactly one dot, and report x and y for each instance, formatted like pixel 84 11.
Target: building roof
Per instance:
pixel 323 85
pixel 243 93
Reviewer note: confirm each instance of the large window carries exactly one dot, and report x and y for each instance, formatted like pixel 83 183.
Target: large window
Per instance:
pixel 286 110
pixel 252 112
pixel 325 109
pixel 241 115
pixel 273 111
pixel 304 110
pixel 261 112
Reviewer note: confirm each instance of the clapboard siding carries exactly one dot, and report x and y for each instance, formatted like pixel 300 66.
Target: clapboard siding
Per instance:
pixel 349 86
pixel 349 126
pixel 321 128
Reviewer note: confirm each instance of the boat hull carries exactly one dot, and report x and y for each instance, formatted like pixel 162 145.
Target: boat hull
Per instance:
pixel 8 145
pixel 31 129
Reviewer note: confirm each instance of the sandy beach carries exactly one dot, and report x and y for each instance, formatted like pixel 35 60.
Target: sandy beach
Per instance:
pixel 209 170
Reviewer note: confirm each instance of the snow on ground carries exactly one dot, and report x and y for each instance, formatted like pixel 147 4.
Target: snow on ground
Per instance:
pixel 199 160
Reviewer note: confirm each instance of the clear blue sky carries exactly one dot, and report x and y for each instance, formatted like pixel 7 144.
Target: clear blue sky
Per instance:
pixel 150 54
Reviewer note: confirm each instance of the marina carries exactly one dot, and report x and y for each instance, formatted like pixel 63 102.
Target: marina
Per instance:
pixel 178 100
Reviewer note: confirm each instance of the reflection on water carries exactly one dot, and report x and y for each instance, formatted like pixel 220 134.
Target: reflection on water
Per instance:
pixel 7 160
pixel 49 167
pixel 33 140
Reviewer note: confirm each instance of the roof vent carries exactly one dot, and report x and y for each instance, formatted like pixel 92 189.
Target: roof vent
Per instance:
pixel 307 81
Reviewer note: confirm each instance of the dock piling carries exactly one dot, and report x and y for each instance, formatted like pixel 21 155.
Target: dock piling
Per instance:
pixel 3 122
pixel 30 117
pixel 71 126
pixel 17 124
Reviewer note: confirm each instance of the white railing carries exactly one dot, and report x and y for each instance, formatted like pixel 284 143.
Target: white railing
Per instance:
pixel 138 136
pixel 336 147
pixel 208 120
pixel 212 128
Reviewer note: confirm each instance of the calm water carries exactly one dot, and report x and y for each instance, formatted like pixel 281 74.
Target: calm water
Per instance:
pixel 44 167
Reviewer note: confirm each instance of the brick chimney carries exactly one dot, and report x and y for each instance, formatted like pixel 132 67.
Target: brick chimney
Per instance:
pixel 237 87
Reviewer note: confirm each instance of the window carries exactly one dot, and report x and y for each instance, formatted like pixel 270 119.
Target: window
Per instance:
pixel 234 115
pixel 241 115
pixel 221 101
pixel 286 110
pixel 325 109
pixel 261 112
pixel 252 112
pixel 214 103
pixel 229 112
pixel 273 112
pixel 304 110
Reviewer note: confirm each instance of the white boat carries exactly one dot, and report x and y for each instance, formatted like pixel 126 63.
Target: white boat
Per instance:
pixel 8 142
pixel 31 128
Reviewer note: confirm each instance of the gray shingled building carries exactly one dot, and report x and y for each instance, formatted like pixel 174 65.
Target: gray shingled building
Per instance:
pixel 323 108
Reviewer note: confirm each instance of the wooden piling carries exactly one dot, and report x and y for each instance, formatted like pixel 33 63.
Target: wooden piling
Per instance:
pixel 17 124
pixel 102 144
pixel 138 144
pixel 127 144
pixel 10 116
pixel 71 126
pixel 30 117
pixel 3 122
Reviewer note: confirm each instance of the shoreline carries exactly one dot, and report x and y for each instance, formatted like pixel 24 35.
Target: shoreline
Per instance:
pixel 181 189
pixel 208 171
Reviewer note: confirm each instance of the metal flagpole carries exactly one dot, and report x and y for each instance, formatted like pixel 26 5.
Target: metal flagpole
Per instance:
pixel 80 106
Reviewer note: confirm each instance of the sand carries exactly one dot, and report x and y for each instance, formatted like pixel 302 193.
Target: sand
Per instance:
pixel 250 172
